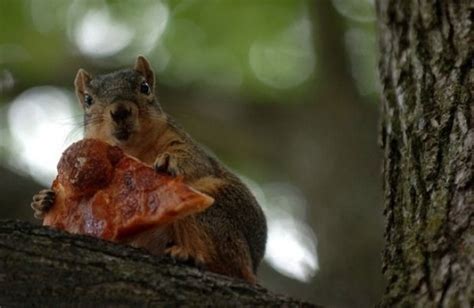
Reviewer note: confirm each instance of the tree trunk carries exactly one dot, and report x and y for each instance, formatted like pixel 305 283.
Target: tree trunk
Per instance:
pixel 427 76
pixel 39 266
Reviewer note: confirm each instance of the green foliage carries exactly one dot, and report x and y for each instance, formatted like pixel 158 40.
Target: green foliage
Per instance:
pixel 263 49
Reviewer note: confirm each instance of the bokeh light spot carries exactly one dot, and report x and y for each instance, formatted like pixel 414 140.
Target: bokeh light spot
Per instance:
pixel 41 120
pixel 357 10
pixel 291 244
pixel 286 61
pixel 98 34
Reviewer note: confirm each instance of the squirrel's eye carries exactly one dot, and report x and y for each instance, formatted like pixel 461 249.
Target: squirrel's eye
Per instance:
pixel 145 88
pixel 88 100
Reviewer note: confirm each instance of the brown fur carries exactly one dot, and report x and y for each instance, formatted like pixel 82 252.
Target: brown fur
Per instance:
pixel 230 236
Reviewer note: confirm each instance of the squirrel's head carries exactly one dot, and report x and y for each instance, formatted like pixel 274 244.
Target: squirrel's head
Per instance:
pixel 121 107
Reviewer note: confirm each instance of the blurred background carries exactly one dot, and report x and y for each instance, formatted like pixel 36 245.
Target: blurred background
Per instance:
pixel 283 91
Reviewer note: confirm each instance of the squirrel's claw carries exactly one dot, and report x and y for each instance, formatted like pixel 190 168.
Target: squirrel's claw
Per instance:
pixel 185 255
pixel 166 163
pixel 42 202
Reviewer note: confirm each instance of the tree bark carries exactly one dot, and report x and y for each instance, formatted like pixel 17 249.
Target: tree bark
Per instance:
pixel 426 71
pixel 39 266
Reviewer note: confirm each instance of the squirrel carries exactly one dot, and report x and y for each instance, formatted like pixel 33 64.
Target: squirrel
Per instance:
pixel 121 108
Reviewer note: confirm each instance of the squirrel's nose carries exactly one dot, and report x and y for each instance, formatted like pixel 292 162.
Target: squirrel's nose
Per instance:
pixel 120 113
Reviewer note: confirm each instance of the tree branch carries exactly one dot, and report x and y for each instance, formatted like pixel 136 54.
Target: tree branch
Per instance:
pixel 45 267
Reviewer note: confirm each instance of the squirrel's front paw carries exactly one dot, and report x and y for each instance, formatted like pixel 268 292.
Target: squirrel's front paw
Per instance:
pixel 185 255
pixel 167 163
pixel 42 202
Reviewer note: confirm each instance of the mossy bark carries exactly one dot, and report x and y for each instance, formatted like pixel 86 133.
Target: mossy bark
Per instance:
pixel 427 77
pixel 42 267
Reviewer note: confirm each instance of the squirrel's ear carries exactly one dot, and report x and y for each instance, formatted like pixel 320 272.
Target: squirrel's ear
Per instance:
pixel 80 83
pixel 143 67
